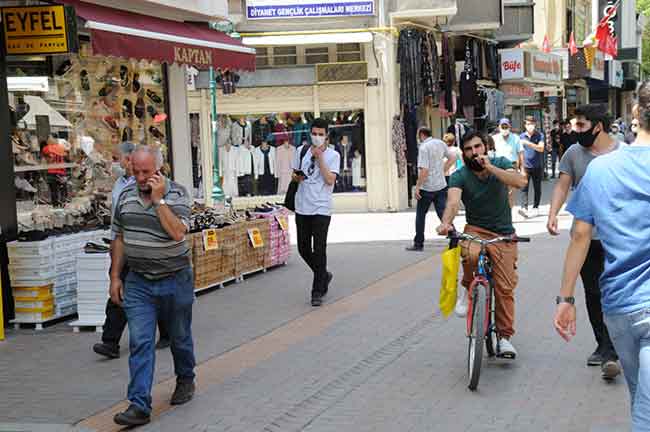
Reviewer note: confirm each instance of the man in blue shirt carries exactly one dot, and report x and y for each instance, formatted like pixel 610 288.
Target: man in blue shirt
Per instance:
pixel 614 197
pixel 533 142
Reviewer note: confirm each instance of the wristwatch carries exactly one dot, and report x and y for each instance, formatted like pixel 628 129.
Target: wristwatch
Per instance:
pixel 570 300
pixel 161 202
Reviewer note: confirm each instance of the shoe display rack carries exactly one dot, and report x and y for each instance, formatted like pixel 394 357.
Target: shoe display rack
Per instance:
pixel 93 283
pixel 44 277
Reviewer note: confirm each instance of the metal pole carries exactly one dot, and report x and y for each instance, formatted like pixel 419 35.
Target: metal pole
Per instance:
pixel 217 191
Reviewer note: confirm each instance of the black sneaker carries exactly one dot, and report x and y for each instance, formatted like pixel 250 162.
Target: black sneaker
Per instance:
pixel 133 416
pixel 316 301
pixel 183 393
pixel 595 359
pixel 163 343
pixel 107 350
pixel 415 248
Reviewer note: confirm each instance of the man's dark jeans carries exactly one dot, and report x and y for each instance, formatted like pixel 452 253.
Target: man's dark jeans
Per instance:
pixel 116 320
pixel 439 201
pixel 590 274
pixel 534 175
pixel 312 246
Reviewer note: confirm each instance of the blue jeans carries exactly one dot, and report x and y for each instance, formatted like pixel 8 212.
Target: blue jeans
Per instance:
pixel 439 201
pixel 144 300
pixel 630 334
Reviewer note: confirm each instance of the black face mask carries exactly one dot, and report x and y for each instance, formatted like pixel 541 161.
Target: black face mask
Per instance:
pixel 473 164
pixel 587 138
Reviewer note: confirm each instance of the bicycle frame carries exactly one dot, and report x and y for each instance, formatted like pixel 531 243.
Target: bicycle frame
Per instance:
pixel 482 276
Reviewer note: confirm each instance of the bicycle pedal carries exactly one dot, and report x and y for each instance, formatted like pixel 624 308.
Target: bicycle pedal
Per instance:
pixel 507 356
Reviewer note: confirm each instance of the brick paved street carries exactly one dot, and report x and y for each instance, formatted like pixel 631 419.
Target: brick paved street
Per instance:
pixel 374 358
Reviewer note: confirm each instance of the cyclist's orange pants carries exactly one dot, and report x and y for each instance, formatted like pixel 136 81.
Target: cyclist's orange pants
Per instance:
pixel 503 257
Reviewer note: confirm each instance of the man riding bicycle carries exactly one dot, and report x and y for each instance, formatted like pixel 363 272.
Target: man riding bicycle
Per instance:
pixel 482 184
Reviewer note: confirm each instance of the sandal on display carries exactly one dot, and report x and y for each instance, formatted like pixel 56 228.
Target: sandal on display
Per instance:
pixel 153 96
pixel 85 82
pixel 127 108
pixel 124 76
pixel 139 107
pixel 155 132
pixel 136 83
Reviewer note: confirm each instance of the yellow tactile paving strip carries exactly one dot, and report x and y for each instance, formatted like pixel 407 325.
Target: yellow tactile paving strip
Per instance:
pixel 233 363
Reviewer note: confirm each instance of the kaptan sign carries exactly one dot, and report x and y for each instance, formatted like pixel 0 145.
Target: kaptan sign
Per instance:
pixel 280 9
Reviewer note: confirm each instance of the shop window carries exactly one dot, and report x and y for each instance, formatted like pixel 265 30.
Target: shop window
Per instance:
pixel 262 57
pixel 71 114
pixel 195 143
pixel 285 56
pixel 316 55
pixel 347 137
pixel 348 52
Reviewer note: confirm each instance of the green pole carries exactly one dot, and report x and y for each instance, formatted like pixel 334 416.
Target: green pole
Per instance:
pixel 217 191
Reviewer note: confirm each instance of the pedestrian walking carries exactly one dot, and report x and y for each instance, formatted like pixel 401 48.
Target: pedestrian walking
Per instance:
pixel 591 120
pixel 568 137
pixel 115 321
pixel 555 146
pixel 150 222
pixel 533 143
pixel 508 145
pixel 315 168
pixel 435 158
pixel 630 137
pixel 614 198
pixel 450 140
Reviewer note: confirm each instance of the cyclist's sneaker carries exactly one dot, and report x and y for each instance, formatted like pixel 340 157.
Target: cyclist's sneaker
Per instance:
pixel 506 349
pixel 595 359
pixel 534 213
pixel 461 303
pixel 610 370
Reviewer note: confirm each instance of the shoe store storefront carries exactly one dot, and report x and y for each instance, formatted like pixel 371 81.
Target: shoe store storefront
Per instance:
pixel 82 78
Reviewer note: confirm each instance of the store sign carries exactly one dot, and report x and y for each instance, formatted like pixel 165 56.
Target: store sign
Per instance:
pixel 545 67
pixel 210 240
pixel 192 56
pixel 255 236
pixel 615 73
pixel 517 90
pixel 598 66
pixel 512 64
pixel 36 30
pixel 279 9
pixel 282 222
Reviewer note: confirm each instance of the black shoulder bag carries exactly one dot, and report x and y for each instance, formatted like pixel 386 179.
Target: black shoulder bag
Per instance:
pixel 290 197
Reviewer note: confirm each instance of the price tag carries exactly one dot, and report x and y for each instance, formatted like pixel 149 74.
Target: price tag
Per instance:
pixel 282 221
pixel 210 239
pixel 255 237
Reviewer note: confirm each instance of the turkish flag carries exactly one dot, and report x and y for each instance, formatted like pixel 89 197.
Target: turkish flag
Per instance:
pixel 602 34
pixel 611 46
pixel 573 48
pixel 546 46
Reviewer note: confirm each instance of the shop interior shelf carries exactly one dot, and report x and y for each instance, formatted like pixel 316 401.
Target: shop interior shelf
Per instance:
pixel 43 167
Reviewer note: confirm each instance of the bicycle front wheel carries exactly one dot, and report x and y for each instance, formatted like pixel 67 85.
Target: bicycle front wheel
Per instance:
pixel 477 335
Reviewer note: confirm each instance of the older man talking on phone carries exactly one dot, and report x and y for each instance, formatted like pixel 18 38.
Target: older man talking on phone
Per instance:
pixel 150 221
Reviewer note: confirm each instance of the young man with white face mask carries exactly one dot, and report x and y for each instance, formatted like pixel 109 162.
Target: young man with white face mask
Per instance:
pixel 316 171
pixel 508 145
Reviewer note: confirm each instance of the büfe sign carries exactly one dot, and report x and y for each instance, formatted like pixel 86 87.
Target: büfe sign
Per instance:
pixel 512 64
pixel 35 30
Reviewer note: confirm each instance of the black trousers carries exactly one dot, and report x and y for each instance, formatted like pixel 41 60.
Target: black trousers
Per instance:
pixel 590 274
pixel 116 320
pixel 534 175
pixel 312 246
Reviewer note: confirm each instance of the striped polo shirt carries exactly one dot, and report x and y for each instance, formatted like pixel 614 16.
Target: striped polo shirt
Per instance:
pixel 148 249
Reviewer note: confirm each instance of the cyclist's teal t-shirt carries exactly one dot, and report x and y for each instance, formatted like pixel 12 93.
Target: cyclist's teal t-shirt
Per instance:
pixel 614 196
pixel 486 201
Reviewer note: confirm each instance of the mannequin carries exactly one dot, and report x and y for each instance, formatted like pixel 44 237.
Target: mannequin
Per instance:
pixel 246 169
pixel 223 130
pixel 356 171
pixel 262 128
pixel 345 149
pixel 228 158
pixel 265 168
pixel 241 132
pixel 283 160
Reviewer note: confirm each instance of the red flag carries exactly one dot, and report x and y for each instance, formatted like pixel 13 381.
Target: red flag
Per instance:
pixel 573 48
pixel 603 35
pixel 611 46
pixel 546 46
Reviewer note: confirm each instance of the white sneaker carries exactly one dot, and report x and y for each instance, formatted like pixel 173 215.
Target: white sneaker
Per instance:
pixel 506 349
pixel 461 303
pixel 523 212
pixel 534 213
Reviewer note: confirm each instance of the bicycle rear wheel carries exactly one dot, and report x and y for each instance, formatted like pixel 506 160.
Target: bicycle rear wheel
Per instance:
pixel 477 335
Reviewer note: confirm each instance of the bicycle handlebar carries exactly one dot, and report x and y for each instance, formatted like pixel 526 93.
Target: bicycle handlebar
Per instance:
pixel 456 236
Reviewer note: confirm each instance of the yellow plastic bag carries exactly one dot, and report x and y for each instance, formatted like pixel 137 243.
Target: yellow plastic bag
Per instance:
pixel 448 286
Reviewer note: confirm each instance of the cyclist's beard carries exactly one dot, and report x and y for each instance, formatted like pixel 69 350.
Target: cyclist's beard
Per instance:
pixel 473 163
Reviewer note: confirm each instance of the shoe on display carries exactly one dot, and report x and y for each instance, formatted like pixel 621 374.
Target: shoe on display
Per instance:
pixel 153 96
pixel 124 76
pixel 595 359
pixel 107 350
pixel 127 134
pixel 156 133
pixel 64 68
pixel 152 111
pixel 139 107
pixel 24 185
pixel 610 370
pixel 183 393
pixel 85 82
pixel 135 86
pixel 461 302
pixel 106 90
pixel 162 343
pixel 133 416
pixel 127 108
pixel 415 248
pixel 25 158
pixel 506 349
pixel 159 118
pixel 110 122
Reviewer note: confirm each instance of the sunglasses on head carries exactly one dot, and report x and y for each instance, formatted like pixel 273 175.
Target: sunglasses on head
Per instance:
pixel 504 127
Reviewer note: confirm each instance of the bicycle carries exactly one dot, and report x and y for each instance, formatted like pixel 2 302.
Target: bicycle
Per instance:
pixel 481 307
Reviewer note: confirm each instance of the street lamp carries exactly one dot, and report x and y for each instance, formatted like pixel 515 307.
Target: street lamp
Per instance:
pixel 217 191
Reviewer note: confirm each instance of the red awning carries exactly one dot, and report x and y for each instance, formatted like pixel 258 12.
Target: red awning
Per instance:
pixel 120 33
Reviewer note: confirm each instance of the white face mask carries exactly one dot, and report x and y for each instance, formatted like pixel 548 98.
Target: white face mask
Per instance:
pixel 505 132
pixel 317 140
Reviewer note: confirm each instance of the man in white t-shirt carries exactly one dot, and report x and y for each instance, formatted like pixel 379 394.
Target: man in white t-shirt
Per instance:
pixel 507 144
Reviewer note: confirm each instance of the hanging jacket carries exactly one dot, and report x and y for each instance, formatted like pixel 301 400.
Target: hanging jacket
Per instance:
pixel 409 56
pixel 240 135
